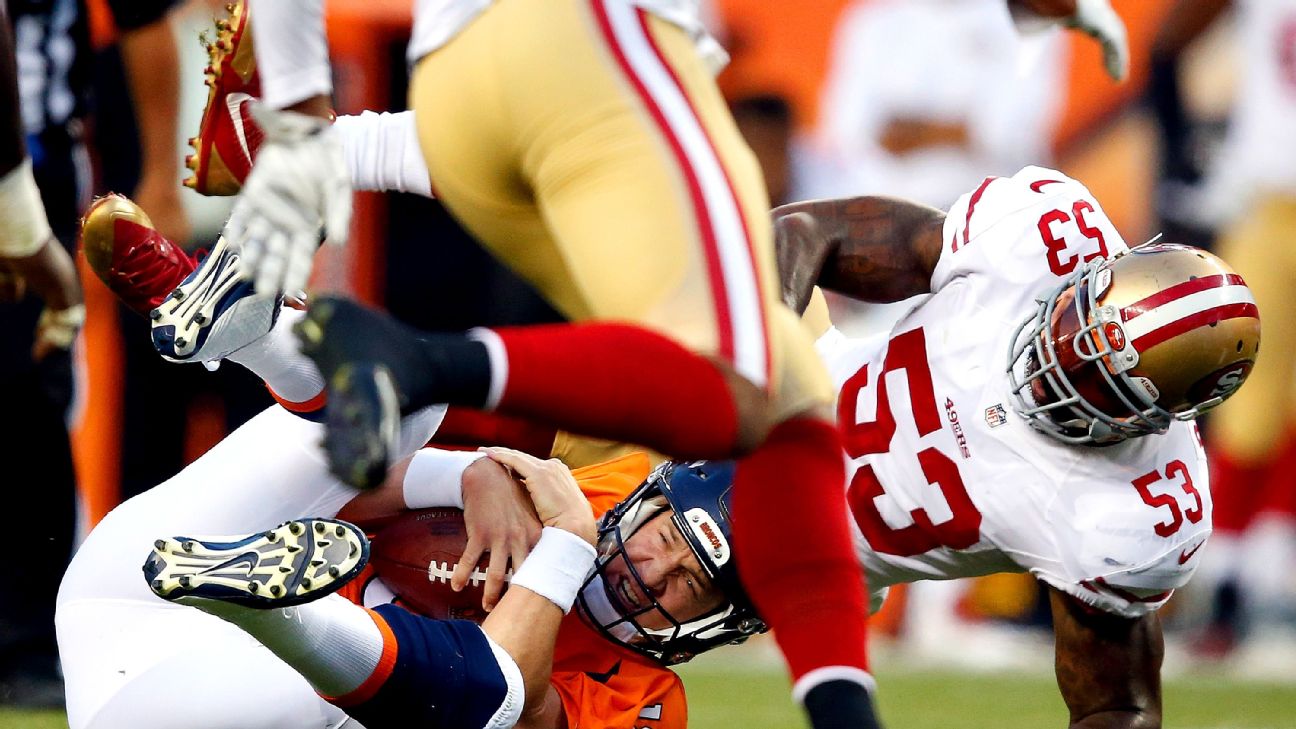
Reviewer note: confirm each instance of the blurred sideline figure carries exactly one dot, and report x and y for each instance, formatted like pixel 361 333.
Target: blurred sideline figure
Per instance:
pixel 50 114
pixel 36 336
pixel 1253 438
pixel 964 96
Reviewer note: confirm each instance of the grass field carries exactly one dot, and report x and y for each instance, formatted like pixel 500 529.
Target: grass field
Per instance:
pixel 940 700
pixel 723 695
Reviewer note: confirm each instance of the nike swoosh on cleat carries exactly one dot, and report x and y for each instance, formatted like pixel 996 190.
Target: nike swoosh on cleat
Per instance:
pixel 247 560
pixel 233 102
pixel 1186 555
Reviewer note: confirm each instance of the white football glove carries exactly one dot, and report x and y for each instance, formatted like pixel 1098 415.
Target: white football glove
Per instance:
pixel 57 329
pixel 1094 18
pixel 298 184
pixel 1097 19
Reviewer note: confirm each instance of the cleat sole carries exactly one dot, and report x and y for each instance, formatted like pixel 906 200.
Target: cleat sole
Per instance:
pixel 259 571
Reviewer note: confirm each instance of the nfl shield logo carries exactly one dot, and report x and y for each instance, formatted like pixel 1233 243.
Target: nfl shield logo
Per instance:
pixel 996 415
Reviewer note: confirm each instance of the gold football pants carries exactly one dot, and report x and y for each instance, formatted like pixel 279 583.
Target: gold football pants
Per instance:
pixel 585 144
pixel 1251 424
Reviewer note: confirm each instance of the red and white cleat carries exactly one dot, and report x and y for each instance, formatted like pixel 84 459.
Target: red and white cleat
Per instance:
pixel 228 138
pixel 124 250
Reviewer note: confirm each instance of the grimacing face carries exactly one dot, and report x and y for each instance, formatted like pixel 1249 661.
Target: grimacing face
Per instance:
pixel 670 573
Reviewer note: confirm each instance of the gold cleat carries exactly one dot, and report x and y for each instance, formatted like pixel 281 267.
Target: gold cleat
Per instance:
pixel 227 138
pixel 129 255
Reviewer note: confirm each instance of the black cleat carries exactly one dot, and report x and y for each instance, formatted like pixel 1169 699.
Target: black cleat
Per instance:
pixel 362 424
pixel 356 349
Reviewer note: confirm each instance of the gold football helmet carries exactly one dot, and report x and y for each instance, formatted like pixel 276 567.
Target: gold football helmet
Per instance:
pixel 1125 346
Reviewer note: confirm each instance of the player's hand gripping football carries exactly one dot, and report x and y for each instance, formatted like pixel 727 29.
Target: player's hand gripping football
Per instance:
pixel 557 498
pixel 500 519
pixel 298 185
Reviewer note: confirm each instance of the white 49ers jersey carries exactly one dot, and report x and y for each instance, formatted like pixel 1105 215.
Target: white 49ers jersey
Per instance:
pixel 948 481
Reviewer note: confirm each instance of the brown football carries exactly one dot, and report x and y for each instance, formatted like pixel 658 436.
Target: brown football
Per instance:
pixel 415 555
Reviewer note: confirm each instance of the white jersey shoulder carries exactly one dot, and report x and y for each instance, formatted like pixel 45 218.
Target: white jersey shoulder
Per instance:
pixel 947 481
pixel 1022 230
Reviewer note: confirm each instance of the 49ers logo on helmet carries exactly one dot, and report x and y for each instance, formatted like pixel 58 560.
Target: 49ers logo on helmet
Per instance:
pixel 1115 335
pixel 1222 382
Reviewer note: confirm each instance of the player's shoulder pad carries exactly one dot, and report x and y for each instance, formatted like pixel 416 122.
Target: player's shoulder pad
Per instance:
pixel 1034 226
pixel 995 198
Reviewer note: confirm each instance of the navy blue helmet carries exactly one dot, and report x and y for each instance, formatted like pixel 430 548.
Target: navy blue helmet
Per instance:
pixel 698 495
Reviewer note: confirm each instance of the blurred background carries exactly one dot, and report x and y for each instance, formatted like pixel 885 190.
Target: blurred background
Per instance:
pixel 917 98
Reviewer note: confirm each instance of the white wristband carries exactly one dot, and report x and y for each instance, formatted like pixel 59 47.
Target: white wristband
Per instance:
pixel 435 478
pixel 23 225
pixel 557 567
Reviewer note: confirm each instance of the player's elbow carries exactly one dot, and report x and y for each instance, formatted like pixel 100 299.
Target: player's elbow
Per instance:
pixel 543 712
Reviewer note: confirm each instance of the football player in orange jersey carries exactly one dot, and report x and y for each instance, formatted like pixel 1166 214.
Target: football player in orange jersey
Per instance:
pixel 662 589
pixel 657 597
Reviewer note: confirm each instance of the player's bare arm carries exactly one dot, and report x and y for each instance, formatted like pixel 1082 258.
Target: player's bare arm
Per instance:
pixel 30 256
pixel 878 249
pixel 525 623
pixel 1108 667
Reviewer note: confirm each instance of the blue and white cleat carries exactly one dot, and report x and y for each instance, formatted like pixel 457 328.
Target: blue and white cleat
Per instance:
pixel 296 562
pixel 213 312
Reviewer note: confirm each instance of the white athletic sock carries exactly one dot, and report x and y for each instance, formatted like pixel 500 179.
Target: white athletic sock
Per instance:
pixel 277 359
pixel 332 642
pixel 382 152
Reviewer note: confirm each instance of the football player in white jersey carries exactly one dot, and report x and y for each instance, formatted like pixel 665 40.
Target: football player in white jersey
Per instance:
pixel 1034 412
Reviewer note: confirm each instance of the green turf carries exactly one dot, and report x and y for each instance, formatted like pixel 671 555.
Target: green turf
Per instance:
pixel 14 719
pixel 756 697
pixel 722 697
